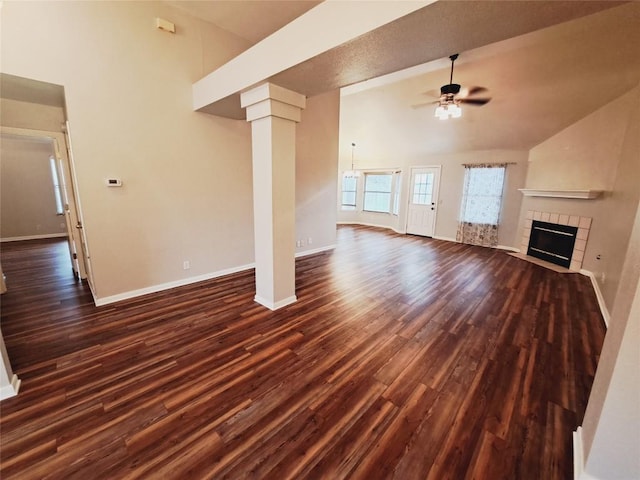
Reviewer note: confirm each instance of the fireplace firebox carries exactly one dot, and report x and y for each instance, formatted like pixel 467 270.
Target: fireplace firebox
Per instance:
pixel 552 242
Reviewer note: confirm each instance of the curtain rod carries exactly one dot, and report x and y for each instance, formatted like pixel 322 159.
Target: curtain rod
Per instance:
pixel 487 164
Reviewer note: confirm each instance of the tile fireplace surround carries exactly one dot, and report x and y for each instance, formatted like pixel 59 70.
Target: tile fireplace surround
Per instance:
pixel 583 224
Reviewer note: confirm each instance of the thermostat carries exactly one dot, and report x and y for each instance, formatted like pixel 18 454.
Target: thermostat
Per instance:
pixel 114 182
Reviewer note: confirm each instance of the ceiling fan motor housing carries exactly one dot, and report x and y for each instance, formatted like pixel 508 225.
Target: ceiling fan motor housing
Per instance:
pixel 451 89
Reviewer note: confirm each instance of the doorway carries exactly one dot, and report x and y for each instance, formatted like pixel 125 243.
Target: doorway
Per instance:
pixel 62 173
pixel 423 200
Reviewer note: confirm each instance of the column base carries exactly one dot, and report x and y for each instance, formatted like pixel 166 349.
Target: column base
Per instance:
pixel 275 305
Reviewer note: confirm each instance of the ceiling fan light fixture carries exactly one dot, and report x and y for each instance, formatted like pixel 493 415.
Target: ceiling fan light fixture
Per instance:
pixel 448 109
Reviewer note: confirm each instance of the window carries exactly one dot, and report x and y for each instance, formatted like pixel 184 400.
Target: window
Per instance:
pixel 482 199
pixel 422 188
pixel 349 190
pixel 377 192
pixel 56 186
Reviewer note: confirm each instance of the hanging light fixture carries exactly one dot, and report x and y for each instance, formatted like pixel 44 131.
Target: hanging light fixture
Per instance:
pixel 353 172
pixel 449 105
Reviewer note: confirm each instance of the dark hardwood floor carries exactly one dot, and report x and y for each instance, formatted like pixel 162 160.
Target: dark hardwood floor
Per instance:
pixel 404 357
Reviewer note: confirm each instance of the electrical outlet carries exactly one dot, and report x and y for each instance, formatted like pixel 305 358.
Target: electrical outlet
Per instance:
pixel 186 265
pixel 309 240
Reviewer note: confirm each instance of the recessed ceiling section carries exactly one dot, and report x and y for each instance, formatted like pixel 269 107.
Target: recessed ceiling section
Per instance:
pixel 432 32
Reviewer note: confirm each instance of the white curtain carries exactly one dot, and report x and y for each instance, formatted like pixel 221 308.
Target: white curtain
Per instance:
pixel 481 204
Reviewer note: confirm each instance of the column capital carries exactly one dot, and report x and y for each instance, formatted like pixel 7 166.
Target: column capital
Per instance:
pixel 272 100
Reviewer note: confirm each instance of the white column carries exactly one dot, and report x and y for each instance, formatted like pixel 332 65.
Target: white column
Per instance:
pixel 9 382
pixel 273 112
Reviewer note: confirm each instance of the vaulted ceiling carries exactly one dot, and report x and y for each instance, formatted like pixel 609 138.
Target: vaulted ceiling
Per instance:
pixel 546 63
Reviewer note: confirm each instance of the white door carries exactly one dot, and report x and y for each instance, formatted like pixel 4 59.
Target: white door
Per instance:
pixel 70 219
pixel 423 201
pixel 76 212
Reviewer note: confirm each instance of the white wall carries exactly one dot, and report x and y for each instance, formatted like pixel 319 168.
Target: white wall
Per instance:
pixel 186 176
pixel 27 199
pixel 611 428
pixel 316 167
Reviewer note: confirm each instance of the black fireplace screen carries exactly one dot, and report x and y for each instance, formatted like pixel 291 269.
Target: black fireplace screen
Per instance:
pixel 551 242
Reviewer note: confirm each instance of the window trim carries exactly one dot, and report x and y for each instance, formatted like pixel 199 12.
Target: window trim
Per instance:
pixel 364 191
pixel 349 206
pixel 465 196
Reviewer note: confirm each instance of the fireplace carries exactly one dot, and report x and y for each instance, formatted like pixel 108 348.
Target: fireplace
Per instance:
pixel 552 242
pixel 580 225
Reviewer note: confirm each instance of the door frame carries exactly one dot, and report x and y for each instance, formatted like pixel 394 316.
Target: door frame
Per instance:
pixel 72 211
pixel 410 191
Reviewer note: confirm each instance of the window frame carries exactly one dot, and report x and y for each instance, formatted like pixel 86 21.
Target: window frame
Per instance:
pixel 349 206
pixel 470 170
pixel 367 174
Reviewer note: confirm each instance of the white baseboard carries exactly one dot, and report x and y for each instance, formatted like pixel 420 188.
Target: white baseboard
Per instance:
pixel 364 224
pixel 601 303
pixel 446 239
pixel 314 251
pixel 10 390
pixel 578 458
pixel 33 237
pixel 508 249
pixel 166 286
pixel 275 305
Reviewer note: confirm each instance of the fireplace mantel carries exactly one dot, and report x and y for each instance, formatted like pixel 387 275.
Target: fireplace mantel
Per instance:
pixel 581 194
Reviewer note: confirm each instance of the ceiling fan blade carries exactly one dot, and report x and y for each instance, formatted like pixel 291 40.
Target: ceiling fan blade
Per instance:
pixel 475 89
pixel 475 101
pixel 432 93
pixel 424 104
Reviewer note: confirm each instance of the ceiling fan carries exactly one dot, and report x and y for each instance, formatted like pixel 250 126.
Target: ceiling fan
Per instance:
pixel 453 94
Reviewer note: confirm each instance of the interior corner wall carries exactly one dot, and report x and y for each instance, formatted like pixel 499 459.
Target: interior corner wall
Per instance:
pixel 598 152
pixel 186 176
pixel 27 198
pixel 316 170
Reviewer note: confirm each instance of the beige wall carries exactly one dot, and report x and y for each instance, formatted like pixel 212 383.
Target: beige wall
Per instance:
pixel 31 115
pixel 27 201
pixel 316 167
pixel 186 191
pixel 608 141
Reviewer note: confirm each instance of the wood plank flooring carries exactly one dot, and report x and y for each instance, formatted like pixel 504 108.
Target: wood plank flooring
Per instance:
pixel 404 358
